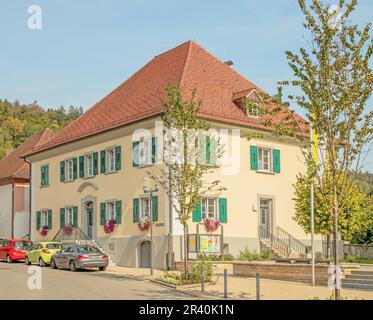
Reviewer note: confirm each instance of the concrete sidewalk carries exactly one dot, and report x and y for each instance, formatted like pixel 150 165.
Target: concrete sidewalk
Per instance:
pixel 245 288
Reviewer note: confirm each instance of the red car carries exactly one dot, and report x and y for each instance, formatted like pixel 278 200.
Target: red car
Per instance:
pixel 13 250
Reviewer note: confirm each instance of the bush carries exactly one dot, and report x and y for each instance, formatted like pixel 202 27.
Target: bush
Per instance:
pixel 191 277
pixel 247 255
pixel 196 272
pixel 350 259
pixel 217 257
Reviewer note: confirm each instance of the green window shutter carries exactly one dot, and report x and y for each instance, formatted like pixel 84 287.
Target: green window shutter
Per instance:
pixel 95 163
pixel 212 151
pixel 202 150
pixel 38 220
pixel 46 175
pixel 81 167
pixel 155 208
pixel 208 150
pixel 75 217
pixel 197 213
pixel 42 176
pixel 49 219
pixel 136 209
pixel 103 161
pixel 62 171
pixel 223 211
pixel 118 156
pixel 118 211
pixel 102 213
pixel 154 149
pixel 62 218
pixel 254 157
pixel 276 161
pixel 75 168
pixel 135 153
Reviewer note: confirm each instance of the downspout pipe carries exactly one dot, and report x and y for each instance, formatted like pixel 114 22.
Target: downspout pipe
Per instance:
pixel 13 211
pixel 30 204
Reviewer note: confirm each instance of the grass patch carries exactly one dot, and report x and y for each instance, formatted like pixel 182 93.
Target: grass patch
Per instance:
pixel 352 259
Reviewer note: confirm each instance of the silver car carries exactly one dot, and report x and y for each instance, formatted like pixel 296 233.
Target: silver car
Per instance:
pixel 76 257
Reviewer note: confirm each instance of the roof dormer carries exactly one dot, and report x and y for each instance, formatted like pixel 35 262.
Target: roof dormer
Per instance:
pixel 251 95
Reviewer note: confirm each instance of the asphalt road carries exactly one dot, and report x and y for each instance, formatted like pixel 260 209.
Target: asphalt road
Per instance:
pixel 15 283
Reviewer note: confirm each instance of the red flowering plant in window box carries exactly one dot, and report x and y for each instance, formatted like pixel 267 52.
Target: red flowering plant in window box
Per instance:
pixel 44 230
pixel 144 223
pixel 211 225
pixel 109 226
pixel 68 229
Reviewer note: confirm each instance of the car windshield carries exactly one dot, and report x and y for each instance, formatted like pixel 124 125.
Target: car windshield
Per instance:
pixel 54 246
pixel 88 249
pixel 22 244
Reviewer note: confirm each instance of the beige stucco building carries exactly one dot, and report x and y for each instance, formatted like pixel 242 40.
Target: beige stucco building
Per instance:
pixel 93 171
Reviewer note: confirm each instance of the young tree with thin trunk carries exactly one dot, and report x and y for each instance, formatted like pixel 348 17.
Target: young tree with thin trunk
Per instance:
pixel 335 83
pixel 186 168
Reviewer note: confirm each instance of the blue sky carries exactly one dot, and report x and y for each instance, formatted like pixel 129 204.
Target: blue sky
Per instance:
pixel 87 47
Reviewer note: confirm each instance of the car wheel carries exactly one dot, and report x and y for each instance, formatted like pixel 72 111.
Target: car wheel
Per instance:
pixel 27 261
pixel 102 268
pixel 53 264
pixel 41 263
pixel 72 266
pixel 9 259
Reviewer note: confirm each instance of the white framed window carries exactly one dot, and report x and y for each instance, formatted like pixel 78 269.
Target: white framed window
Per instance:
pixel 44 218
pixel 254 112
pixel 69 216
pixel 110 159
pixel 145 151
pixel 88 165
pixel 110 213
pixel 209 208
pixel 145 207
pixel 265 159
pixel 69 171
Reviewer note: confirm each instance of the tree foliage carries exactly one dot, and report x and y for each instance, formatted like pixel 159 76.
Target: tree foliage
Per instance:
pixel 19 121
pixel 354 213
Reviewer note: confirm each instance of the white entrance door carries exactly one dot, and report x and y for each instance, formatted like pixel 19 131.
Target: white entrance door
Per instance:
pixel 265 218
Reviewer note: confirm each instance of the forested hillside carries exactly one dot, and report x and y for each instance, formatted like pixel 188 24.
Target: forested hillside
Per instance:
pixel 20 121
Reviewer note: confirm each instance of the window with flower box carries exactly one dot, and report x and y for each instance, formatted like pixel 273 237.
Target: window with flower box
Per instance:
pixel 209 208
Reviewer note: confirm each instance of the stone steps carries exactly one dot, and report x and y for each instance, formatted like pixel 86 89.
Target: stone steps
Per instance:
pixel 357 286
pixel 359 279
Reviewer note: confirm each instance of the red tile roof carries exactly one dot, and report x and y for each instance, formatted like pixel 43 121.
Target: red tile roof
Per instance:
pixel 188 65
pixel 14 166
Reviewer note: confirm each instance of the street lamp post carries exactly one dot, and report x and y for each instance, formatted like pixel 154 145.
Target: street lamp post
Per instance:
pixel 151 191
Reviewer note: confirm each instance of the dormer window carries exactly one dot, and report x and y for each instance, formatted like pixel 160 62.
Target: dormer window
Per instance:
pixel 252 96
pixel 253 110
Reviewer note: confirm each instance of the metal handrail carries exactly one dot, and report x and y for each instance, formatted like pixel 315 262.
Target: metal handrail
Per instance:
pixel 293 242
pixel 274 241
pixel 77 234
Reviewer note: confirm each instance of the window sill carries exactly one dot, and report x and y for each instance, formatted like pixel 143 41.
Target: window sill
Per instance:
pixel 69 181
pixel 44 186
pixel 145 165
pixel 88 178
pixel 111 172
pixel 265 172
